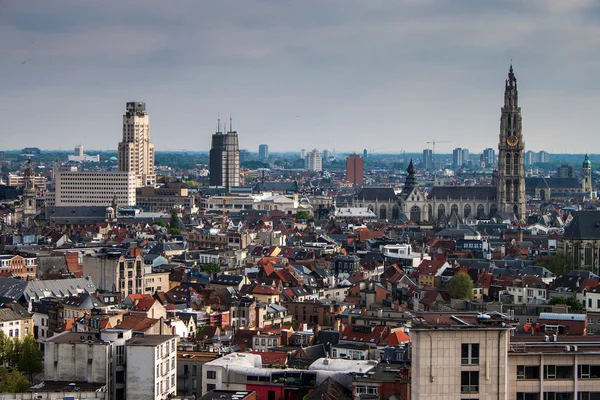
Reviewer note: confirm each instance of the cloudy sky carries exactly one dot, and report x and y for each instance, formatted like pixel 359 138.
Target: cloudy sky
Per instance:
pixel 386 75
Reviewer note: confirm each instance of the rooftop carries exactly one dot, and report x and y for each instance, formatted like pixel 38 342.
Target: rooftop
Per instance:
pixel 150 340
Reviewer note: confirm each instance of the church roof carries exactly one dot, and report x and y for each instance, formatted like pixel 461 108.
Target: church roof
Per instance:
pixel 463 192
pixel 375 193
pixel 585 225
pixel 551 183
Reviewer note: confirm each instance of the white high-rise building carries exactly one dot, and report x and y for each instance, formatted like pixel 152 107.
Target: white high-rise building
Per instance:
pixel 136 152
pixel 314 162
pixel 92 188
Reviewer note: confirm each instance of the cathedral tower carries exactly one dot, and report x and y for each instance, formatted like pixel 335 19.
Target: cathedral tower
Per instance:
pixel 29 195
pixel 511 148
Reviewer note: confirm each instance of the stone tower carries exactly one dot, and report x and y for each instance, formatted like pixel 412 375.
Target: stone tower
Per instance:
pixel 29 195
pixel 511 153
pixel 136 152
pixel 586 176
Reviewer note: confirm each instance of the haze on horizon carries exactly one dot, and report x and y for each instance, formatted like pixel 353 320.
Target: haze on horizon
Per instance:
pixel 382 75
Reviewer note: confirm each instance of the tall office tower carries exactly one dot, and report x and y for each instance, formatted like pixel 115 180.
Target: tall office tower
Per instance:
pixel 303 154
pixel 136 152
pixel 325 154
pixel 224 159
pixel 511 153
pixel 365 154
pixel 263 151
pixel 354 169
pixel 489 155
pixel 314 162
pixel 465 156
pixel 543 157
pixel 427 159
pixel 457 158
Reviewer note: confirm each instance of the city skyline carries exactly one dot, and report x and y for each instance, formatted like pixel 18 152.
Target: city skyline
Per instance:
pixel 327 73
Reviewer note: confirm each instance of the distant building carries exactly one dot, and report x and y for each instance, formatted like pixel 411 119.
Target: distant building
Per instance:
pixel 303 154
pixel 457 158
pixel 314 162
pixel 427 159
pixel 354 169
pixel 465 156
pixel 263 151
pixel 543 157
pixel 489 155
pixel 531 158
pixel 136 152
pixel 172 195
pixel 325 154
pixel 224 160
pixel 365 154
pixel 80 156
pixel 566 171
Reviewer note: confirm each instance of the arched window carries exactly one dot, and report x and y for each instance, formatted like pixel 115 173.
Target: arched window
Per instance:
pixel 467 211
pixel 441 211
pixel 415 214
pixel 454 209
pixel 516 164
pixel 395 212
pixel 480 211
pixel 508 188
pixel 430 212
pixel 493 210
pixel 508 158
pixel 382 212
pixel 588 256
pixel 516 190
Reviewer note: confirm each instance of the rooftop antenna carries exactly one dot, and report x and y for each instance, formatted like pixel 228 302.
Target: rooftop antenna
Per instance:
pixel 230 122
pixel 218 122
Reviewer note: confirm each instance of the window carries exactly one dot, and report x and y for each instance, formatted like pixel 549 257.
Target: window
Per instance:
pixel 366 390
pixel 469 354
pixel 558 396
pixel 172 379
pixel 120 376
pixel 211 374
pixel 528 396
pixel 211 386
pixel 271 395
pixel 558 372
pixel 588 396
pixel 469 381
pixel 120 354
pixel 529 321
pixel 528 372
pixel 587 371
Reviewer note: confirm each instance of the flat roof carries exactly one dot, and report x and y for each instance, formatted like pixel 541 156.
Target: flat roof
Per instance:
pixel 150 340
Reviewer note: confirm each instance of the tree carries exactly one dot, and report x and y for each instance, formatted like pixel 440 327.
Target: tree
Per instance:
pixel 12 382
pixel 14 355
pixel 573 303
pixel 31 357
pixel 174 228
pixel 159 223
pixel 302 214
pixel 326 319
pixel 558 264
pixel 211 269
pixel 461 286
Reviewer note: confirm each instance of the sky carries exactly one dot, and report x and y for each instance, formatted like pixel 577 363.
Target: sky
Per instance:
pixel 343 75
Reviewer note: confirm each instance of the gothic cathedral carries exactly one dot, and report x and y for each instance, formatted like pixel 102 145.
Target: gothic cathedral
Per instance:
pixel 511 153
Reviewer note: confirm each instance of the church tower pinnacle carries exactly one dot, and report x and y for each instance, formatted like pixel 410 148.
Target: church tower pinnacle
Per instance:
pixel 511 153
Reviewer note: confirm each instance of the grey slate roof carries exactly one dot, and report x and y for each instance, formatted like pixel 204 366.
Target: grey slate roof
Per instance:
pixel 276 187
pixel 76 215
pixel 585 225
pixel 18 290
pixel 533 183
pixel 464 192
pixel 376 193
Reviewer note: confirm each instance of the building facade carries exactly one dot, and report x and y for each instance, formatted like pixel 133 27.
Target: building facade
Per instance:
pixel 314 161
pixel 427 159
pixel 224 163
pixel 263 151
pixel 93 188
pixel 354 169
pixel 136 152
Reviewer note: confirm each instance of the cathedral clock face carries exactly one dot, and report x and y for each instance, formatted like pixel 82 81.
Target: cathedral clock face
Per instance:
pixel 512 141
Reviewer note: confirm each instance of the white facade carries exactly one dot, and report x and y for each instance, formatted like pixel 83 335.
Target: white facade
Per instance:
pixel 314 162
pixel 136 152
pixel 80 156
pixel 151 367
pixel 93 188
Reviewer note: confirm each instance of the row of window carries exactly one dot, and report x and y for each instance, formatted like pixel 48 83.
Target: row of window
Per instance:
pixel 558 396
pixel 584 371
pixel 162 387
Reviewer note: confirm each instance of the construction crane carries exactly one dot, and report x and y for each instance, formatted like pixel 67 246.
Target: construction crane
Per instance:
pixel 433 142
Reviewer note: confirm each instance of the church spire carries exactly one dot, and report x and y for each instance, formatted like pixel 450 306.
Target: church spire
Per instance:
pixel 511 96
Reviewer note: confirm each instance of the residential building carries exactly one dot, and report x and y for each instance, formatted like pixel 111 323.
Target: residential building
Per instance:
pixel 354 169
pixel 314 161
pixel 151 367
pixel 15 325
pixel 531 157
pixel 18 266
pixel 427 159
pixel 136 152
pixel 489 156
pixel 543 157
pixel 93 188
pixel 118 338
pixel 189 371
pixel 224 163
pixel 465 156
pixel 457 158
pixel 263 151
